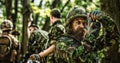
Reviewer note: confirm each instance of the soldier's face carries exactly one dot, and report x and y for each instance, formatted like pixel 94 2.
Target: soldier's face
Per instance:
pixel 31 29
pixel 79 27
pixel 51 19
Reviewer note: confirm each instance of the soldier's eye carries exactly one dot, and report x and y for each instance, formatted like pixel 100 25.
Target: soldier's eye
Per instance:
pixel 84 24
pixel 30 29
pixel 78 22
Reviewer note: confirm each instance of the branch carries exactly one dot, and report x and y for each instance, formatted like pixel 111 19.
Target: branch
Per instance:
pixel 37 15
pixel 65 5
pixel 32 1
pixel 54 3
pixel 40 4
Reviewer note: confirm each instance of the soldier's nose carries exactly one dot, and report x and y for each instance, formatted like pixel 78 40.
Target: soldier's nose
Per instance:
pixel 81 25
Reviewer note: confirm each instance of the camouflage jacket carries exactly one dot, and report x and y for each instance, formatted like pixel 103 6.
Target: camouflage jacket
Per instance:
pixel 38 41
pixel 103 39
pixel 104 30
pixel 69 50
pixel 56 30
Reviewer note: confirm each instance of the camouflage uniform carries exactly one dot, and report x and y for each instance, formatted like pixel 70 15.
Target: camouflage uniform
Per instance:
pixel 9 45
pixel 57 27
pixel 106 39
pixel 38 41
pixel 56 30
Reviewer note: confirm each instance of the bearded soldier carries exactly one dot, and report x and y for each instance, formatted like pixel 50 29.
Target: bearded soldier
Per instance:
pixel 9 45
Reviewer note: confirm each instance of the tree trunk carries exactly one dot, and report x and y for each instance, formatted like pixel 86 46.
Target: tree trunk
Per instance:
pixel 46 26
pixel 37 15
pixel 26 18
pixel 14 15
pixel 8 5
pixel 9 8
pixel 112 8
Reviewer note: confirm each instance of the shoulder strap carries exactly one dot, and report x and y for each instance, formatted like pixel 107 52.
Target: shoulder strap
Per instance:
pixel 7 36
pixel 3 43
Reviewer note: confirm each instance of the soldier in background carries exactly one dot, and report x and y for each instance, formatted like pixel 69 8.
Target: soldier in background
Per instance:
pixel 16 34
pixel 38 40
pixel 57 28
pixel 55 32
pixel 9 45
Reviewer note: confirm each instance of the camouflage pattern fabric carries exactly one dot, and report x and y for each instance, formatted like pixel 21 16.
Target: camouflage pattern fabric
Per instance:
pixel 38 42
pixel 56 30
pixel 103 37
pixel 37 39
pixel 69 50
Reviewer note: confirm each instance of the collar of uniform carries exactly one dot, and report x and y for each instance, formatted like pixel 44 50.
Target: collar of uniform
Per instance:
pixel 57 22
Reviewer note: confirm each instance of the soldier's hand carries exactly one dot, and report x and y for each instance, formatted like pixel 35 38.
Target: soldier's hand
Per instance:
pixel 96 15
pixel 87 46
pixel 35 57
pixel 32 57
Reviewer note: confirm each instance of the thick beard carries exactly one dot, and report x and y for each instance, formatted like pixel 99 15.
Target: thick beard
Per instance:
pixel 79 34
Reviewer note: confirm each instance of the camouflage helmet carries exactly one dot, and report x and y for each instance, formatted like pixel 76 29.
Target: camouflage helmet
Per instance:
pixel 6 25
pixel 75 12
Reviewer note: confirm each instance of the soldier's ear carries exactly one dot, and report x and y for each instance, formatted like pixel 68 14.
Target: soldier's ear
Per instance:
pixel 53 17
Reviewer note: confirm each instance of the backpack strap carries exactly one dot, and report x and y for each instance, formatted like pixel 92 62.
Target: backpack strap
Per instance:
pixel 6 44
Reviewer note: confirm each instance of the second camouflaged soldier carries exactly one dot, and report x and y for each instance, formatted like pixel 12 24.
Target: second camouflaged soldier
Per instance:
pixel 56 31
pixel 9 45
pixel 38 40
pixel 57 28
